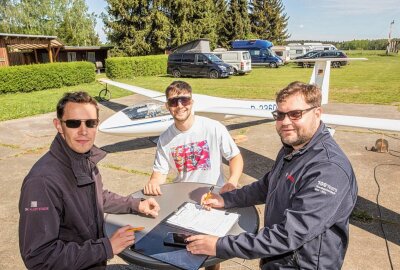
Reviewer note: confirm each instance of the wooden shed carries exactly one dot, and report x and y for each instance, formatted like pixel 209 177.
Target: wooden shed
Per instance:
pixel 17 49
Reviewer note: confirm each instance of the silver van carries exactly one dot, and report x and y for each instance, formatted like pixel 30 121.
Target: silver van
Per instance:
pixel 240 60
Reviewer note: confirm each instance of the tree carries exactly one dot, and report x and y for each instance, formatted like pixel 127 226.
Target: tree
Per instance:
pixel 137 27
pixel 268 20
pixel 191 20
pixel 221 26
pixel 238 21
pixel 77 17
pixel 67 19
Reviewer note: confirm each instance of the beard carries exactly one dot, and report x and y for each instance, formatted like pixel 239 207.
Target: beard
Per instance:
pixel 299 137
pixel 295 141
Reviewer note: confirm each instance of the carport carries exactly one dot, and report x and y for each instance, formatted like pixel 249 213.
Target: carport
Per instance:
pixel 19 49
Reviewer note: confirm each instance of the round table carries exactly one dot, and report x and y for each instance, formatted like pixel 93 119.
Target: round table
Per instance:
pixel 173 196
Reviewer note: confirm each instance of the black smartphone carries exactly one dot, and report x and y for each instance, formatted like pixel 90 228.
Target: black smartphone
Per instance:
pixel 176 239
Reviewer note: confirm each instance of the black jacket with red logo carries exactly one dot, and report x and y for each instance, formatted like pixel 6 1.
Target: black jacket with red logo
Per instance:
pixel 61 211
pixel 309 195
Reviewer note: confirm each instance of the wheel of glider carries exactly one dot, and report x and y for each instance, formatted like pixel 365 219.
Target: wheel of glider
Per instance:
pixel 176 73
pixel 105 95
pixel 273 65
pixel 214 74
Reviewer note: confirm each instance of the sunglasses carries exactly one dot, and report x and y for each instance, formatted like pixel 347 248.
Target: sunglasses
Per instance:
pixel 76 123
pixel 293 115
pixel 184 100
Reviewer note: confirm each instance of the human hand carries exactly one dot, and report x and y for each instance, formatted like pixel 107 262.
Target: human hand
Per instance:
pixel 152 188
pixel 227 187
pixel 121 239
pixel 212 200
pixel 149 207
pixel 202 244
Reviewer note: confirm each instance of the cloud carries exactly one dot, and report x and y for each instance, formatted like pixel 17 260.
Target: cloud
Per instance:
pixel 301 26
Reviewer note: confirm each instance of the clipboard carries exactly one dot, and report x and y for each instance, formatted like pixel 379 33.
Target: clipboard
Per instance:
pixel 152 245
pixel 193 217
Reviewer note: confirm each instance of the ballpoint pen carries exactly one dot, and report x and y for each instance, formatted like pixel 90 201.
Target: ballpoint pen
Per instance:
pixel 135 229
pixel 208 196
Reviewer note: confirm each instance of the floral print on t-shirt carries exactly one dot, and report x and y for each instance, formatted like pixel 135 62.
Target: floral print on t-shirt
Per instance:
pixel 192 156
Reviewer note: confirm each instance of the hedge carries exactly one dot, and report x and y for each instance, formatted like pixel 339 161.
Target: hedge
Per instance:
pixel 130 67
pixel 43 76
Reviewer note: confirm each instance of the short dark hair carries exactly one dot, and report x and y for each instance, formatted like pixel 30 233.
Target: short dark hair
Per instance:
pixel 178 87
pixel 75 97
pixel 311 93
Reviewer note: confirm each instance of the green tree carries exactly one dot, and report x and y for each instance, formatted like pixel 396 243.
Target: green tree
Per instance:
pixel 192 20
pixel 137 27
pixel 221 24
pixel 67 19
pixel 238 21
pixel 268 20
pixel 77 17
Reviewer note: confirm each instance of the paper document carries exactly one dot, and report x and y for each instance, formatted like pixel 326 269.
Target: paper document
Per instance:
pixel 193 217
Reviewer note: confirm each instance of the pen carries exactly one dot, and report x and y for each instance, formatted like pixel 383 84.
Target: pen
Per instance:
pixel 208 196
pixel 136 229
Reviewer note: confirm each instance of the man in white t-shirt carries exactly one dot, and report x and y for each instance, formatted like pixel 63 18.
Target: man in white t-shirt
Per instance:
pixel 193 146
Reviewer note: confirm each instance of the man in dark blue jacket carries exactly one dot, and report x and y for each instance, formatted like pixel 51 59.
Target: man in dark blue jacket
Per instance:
pixel 309 193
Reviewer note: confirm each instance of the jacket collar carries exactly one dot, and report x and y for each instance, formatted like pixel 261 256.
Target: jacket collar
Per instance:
pixel 80 164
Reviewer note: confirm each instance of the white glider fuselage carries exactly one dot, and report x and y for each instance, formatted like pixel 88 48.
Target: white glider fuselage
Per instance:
pixel 152 118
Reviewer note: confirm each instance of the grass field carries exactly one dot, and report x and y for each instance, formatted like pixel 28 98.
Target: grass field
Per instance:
pixel 375 81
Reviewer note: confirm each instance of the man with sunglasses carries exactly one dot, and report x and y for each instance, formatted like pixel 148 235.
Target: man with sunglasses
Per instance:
pixel 62 198
pixel 193 146
pixel 309 195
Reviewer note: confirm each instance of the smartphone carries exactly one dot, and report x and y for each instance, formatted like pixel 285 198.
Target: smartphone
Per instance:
pixel 176 239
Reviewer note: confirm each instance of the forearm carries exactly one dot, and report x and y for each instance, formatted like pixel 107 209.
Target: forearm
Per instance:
pixel 117 204
pixel 252 194
pixel 235 169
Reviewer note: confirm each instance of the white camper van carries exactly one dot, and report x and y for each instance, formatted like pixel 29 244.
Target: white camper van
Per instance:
pixel 240 60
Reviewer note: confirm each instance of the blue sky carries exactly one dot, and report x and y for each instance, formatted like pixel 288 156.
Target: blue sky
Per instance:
pixel 333 20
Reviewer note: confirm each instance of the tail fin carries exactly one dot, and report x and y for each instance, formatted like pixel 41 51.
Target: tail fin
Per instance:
pixel 320 76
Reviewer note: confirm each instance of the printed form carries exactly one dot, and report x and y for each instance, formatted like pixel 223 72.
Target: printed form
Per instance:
pixel 193 217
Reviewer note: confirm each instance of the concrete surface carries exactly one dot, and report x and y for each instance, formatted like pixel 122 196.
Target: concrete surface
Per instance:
pixel 128 166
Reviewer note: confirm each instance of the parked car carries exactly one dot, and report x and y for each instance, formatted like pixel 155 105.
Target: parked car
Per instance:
pixel 197 65
pixel 260 52
pixel 323 54
pixel 240 60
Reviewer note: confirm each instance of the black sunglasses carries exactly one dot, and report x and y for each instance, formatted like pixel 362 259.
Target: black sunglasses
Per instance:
pixel 184 100
pixel 293 115
pixel 76 123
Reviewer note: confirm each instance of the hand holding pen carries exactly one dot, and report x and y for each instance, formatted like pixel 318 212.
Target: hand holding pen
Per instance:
pixel 209 200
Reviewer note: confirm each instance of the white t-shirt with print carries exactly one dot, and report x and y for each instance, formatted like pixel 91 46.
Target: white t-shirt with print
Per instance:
pixel 196 154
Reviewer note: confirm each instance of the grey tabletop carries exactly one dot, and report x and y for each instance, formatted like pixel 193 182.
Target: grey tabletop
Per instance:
pixel 174 195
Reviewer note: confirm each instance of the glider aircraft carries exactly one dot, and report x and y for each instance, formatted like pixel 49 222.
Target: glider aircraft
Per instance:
pixel 152 118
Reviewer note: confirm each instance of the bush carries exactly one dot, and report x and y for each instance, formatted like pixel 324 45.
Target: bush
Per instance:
pixel 43 76
pixel 130 67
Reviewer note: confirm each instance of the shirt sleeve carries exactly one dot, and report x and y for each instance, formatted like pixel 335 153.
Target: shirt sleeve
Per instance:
pixel 324 199
pixel 117 204
pixel 40 210
pixel 161 164
pixel 228 147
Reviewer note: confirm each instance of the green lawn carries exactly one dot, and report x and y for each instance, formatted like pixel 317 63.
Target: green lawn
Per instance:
pixel 375 81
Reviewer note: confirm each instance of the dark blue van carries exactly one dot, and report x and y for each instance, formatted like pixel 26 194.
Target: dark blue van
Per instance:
pixel 260 52
pixel 197 65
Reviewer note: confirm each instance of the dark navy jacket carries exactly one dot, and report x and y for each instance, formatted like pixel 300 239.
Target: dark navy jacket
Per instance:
pixel 309 195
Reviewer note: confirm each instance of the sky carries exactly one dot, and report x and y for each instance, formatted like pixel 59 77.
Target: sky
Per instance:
pixel 330 20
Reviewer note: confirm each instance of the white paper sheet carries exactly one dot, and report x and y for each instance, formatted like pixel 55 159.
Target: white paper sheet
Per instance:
pixel 193 217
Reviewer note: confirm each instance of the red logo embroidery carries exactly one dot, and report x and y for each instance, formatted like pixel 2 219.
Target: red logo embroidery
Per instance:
pixel 290 178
